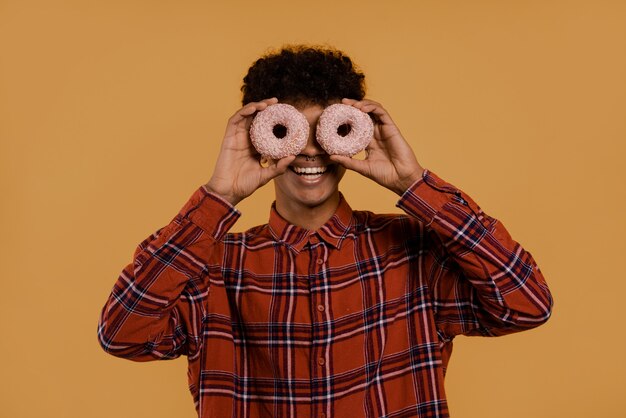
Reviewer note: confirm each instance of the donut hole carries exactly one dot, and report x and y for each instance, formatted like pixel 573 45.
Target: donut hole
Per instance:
pixel 279 131
pixel 344 129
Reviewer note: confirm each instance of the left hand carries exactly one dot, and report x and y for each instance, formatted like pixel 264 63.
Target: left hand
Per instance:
pixel 389 160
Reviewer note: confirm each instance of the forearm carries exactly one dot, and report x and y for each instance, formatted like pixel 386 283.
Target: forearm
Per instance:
pixel 154 307
pixel 500 281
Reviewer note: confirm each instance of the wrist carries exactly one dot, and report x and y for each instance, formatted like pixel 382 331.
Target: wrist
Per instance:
pixel 406 182
pixel 230 198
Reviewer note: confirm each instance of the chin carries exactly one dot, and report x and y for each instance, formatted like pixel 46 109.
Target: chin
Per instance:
pixel 297 190
pixel 313 200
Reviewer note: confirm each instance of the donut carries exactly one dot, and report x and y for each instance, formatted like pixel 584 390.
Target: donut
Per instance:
pixel 279 130
pixel 344 130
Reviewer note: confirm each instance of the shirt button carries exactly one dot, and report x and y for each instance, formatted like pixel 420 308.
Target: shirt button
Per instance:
pixel 321 361
pixel 322 415
pixel 320 261
pixel 320 308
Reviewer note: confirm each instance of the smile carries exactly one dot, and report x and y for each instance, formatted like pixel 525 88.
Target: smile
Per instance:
pixel 311 171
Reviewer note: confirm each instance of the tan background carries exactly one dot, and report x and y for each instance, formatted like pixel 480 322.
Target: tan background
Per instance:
pixel 112 112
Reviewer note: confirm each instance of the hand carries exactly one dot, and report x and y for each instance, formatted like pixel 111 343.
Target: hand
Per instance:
pixel 389 160
pixel 238 172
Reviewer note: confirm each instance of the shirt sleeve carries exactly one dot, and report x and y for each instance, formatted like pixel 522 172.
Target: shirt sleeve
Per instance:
pixel 483 282
pixel 156 306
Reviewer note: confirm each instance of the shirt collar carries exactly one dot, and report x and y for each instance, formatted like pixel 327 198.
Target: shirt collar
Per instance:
pixel 333 232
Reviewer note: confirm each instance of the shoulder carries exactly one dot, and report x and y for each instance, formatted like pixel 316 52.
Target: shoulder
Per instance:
pixel 390 234
pixel 252 236
pixel 391 222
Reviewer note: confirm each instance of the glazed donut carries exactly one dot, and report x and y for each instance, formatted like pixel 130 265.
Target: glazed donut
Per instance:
pixel 344 130
pixel 279 130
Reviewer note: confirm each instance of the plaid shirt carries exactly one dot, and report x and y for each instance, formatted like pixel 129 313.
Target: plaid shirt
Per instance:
pixel 355 319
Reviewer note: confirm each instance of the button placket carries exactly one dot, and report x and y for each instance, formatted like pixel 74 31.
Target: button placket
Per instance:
pixel 318 364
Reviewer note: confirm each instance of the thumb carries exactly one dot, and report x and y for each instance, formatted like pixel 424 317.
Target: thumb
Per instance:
pixel 276 168
pixel 360 166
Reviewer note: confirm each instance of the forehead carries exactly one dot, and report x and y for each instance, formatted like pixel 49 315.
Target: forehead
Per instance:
pixel 311 112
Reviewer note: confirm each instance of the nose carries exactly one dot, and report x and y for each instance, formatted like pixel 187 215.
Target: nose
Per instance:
pixel 312 147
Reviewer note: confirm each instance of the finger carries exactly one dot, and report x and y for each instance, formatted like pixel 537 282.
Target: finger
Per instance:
pixel 268 101
pixel 369 106
pixel 378 112
pixel 282 164
pixel 372 107
pixel 361 103
pixel 264 103
pixel 276 168
pixel 360 166
pixel 251 108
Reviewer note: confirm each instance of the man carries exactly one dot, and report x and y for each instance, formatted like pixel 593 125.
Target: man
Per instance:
pixel 324 311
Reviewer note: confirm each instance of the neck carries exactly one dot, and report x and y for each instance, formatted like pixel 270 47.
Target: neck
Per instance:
pixel 310 217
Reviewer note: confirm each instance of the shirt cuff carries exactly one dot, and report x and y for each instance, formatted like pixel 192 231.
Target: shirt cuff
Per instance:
pixel 210 212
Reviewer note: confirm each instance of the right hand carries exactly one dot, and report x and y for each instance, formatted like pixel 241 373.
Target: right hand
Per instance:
pixel 238 171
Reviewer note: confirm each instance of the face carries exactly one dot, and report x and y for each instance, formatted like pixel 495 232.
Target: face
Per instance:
pixel 312 180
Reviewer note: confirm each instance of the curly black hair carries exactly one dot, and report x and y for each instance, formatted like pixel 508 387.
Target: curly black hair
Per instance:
pixel 303 74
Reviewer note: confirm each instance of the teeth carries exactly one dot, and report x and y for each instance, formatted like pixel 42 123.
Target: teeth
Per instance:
pixel 309 170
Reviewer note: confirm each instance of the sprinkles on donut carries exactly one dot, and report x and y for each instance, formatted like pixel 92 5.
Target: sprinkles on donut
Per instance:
pixel 278 131
pixel 344 130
